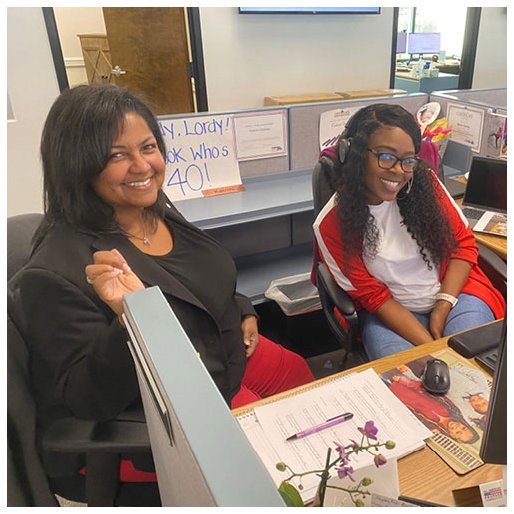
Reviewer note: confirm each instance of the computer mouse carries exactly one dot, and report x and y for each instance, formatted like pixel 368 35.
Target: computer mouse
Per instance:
pixel 436 376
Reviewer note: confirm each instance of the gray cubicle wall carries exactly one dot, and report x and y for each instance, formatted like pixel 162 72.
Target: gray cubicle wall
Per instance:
pixel 304 119
pixel 202 457
pixel 248 168
pixel 486 100
pixel 494 98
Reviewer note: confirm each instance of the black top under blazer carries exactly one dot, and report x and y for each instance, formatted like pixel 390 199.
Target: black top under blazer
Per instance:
pixel 80 361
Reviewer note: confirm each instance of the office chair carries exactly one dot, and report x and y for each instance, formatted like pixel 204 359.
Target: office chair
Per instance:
pixel 337 305
pixel 101 442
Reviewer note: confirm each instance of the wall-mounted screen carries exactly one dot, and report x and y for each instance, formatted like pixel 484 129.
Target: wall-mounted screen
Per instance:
pixel 401 43
pixel 424 42
pixel 309 10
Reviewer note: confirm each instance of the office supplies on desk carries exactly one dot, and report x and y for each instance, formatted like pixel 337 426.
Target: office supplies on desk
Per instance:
pixel 364 394
pixel 318 428
pixel 485 199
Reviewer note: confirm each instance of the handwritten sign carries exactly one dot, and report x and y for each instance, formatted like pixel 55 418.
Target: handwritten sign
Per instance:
pixel 200 156
pixel 332 124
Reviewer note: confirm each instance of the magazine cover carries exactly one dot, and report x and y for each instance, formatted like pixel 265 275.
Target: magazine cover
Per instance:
pixel 457 419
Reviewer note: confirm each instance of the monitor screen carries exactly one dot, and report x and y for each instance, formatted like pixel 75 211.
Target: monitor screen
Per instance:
pixel 487 184
pixel 401 43
pixel 424 43
pixel 309 10
pixel 493 449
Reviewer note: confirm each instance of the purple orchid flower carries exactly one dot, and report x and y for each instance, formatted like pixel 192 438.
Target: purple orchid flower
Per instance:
pixel 345 471
pixel 369 430
pixel 380 460
pixel 342 453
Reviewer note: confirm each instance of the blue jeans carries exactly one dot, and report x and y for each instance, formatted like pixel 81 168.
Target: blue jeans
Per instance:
pixel 380 341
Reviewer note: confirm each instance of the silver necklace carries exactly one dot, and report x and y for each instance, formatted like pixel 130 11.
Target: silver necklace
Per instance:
pixel 144 239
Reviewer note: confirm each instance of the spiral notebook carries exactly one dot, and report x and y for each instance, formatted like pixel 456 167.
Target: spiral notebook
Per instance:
pixel 363 394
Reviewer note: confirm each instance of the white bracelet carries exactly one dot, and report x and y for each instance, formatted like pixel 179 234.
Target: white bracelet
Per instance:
pixel 447 298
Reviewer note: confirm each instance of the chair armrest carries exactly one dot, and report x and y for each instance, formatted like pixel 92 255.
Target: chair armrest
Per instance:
pixel 341 300
pixel 71 435
pixel 494 267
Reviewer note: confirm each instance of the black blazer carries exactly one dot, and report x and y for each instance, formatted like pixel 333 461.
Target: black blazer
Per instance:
pixel 80 361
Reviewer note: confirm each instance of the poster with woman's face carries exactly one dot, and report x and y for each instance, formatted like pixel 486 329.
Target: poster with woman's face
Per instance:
pixel 428 113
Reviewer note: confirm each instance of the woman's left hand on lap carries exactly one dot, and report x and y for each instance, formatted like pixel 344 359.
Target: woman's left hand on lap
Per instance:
pixel 250 334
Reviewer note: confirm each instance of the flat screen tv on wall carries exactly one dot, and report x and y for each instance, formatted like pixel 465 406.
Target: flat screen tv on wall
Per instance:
pixel 309 10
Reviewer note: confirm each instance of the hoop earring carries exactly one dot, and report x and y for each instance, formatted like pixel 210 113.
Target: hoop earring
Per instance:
pixel 409 187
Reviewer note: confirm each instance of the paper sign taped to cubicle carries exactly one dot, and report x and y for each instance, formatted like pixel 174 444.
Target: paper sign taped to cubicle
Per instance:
pixel 200 156
pixel 467 124
pixel 260 135
pixel 332 124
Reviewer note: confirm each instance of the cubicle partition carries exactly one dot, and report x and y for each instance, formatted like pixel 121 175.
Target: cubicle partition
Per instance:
pixel 493 98
pixel 202 457
pixel 267 228
pixel 304 122
pixel 482 108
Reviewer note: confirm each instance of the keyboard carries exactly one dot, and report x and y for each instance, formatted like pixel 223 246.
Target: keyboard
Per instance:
pixel 474 214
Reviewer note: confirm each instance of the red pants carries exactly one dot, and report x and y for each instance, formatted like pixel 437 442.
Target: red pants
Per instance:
pixel 270 370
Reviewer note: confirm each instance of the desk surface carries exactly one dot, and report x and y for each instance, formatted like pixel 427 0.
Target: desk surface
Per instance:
pixel 407 75
pixel 422 474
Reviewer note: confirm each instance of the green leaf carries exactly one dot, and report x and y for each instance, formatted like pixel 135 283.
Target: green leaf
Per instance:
pixel 290 495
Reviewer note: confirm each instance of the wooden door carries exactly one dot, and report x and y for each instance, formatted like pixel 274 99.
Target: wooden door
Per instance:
pixel 150 45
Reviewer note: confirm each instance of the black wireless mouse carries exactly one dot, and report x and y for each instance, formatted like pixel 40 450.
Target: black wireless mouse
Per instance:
pixel 436 376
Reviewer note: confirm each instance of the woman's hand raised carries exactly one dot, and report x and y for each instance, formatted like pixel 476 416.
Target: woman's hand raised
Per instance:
pixel 111 278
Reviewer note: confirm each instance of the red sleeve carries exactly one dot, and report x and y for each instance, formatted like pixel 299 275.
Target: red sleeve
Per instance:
pixel 363 288
pixel 467 249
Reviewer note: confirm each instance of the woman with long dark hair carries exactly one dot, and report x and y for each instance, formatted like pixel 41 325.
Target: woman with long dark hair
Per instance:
pixel 109 229
pixel 395 241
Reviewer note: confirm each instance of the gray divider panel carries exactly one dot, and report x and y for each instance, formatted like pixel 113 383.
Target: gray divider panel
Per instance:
pixel 448 97
pixel 201 455
pixel 304 124
pixel 248 168
pixel 493 98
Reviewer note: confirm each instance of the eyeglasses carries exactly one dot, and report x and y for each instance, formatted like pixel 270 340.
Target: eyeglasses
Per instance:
pixel 388 161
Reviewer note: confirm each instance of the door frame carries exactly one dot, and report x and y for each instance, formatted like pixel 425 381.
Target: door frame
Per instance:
pixel 195 36
pixel 469 47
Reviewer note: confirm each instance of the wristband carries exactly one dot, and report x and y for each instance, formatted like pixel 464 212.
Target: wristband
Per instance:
pixel 447 298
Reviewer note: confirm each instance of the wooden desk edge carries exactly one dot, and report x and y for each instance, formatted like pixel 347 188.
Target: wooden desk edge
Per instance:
pixel 417 469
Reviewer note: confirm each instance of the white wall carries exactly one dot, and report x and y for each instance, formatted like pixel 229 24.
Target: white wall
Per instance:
pixel 248 57
pixel 31 87
pixel 491 56
pixel 70 22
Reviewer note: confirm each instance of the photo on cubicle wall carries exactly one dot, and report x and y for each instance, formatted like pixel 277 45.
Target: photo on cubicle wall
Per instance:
pixel 496 131
pixel 458 418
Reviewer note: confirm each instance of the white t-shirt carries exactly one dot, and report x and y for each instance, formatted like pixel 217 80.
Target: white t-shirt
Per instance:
pixel 399 263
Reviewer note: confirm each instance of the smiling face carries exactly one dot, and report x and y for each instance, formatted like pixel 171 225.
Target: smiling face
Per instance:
pixel 135 171
pixel 459 431
pixel 479 403
pixel 381 184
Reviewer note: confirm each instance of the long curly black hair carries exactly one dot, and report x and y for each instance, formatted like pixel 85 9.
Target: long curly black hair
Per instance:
pixel 420 210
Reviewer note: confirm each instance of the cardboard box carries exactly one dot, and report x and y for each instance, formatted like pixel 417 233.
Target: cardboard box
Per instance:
pixel 302 99
pixel 370 93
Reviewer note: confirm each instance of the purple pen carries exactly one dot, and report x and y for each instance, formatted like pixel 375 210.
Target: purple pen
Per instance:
pixel 329 423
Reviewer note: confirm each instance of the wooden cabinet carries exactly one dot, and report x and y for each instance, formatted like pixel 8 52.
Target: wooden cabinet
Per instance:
pixel 97 58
